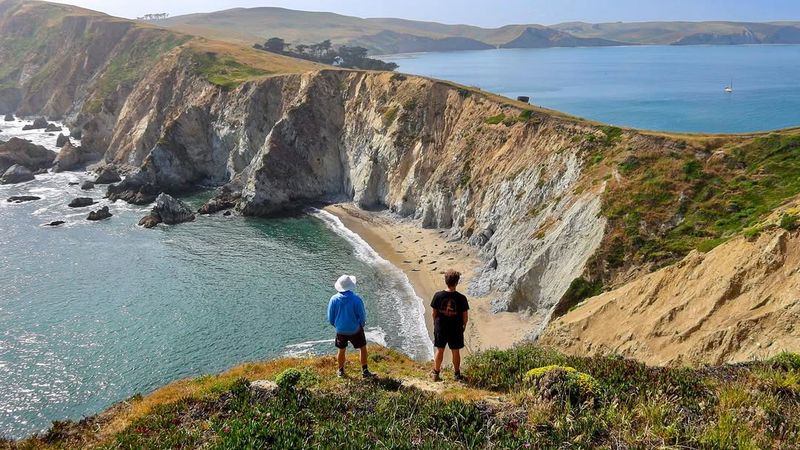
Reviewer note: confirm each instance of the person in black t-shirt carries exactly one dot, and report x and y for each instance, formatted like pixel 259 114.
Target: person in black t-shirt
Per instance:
pixel 450 318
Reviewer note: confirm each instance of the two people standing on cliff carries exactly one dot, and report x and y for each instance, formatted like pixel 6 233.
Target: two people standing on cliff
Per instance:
pixel 346 312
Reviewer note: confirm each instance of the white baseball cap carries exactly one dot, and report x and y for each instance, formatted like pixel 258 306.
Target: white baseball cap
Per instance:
pixel 345 283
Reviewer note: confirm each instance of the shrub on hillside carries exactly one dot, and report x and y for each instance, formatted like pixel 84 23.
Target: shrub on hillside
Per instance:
pixel 291 379
pixel 789 222
pixel 787 360
pixel 563 383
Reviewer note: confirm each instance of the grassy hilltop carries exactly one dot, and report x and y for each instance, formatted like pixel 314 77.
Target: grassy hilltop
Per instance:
pixel 564 402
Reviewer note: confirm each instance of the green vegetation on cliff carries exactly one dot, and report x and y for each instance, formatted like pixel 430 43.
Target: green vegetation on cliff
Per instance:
pixel 225 71
pixel 680 197
pixel 527 397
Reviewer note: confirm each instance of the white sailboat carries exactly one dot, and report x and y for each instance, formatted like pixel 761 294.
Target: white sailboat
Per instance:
pixel 729 88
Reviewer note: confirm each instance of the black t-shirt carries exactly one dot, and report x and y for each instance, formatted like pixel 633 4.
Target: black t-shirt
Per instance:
pixel 451 307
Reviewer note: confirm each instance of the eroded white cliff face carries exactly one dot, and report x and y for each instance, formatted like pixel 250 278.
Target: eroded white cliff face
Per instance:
pixel 421 149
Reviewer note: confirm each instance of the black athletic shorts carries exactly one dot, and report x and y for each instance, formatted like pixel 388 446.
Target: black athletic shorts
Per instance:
pixel 448 337
pixel 358 340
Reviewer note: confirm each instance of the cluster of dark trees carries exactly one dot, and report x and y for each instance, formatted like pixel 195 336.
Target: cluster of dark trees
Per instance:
pixel 160 16
pixel 324 52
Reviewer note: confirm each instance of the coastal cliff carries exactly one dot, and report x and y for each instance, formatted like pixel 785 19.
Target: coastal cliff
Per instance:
pixel 559 208
pixel 449 158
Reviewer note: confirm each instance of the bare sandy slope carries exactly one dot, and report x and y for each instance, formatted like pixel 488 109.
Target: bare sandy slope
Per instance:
pixel 424 255
pixel 739 302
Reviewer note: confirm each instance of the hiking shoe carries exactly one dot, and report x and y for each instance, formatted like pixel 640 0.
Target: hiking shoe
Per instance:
pixel 367 374
pixel 458 377
pixel 340 373
pixel 435 376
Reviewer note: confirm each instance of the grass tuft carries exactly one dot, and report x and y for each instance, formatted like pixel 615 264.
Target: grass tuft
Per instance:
pixel 225 71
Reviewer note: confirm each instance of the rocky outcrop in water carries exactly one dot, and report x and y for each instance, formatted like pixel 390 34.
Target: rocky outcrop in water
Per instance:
pixel 8 118
pixel 55 223
pixel 87 185
pixel 223 199
pixel 39 123
pixel 133 192
pixel 167 210
pixel 149 221
pixel 74 158
pixel 61 140
pixel 107 175
pixel 52 128
pixel 101 214
pixel 81 202
pixel 24 153
pixel 16 174
pixel 23 199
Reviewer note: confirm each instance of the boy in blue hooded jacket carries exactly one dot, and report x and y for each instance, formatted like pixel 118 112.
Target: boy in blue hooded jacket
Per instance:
pixel 346 312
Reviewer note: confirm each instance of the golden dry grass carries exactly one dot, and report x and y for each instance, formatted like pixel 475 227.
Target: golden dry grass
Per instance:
pixel 386 363
pixel 268 62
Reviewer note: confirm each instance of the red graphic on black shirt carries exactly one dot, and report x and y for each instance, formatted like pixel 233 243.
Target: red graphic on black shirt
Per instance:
pixel 449 308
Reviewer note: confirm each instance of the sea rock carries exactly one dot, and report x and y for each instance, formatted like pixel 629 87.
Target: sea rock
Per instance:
pixel 52 128
pixel 87 185
pixel 23 199
pixel 72 158
pixel 16 174
pixel 24 153
pixel 76 133
pixel 101 214
pixel 81 202
pixel 224 199
pixel 61 140
pixel 149 221
pixel 9 118
pixel 172 211
pixel 107 175
pixel 38 124
pixel 132 193
pixel 55 223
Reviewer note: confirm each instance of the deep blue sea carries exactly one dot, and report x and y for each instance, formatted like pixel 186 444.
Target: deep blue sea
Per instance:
pixel 666 88
pixel 92 313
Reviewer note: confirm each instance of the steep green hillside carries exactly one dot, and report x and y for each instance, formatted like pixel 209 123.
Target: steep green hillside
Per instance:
pixel 693 194
pixel 527 397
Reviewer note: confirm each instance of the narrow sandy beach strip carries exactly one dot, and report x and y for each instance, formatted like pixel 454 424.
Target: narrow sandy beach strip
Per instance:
pixel 424 255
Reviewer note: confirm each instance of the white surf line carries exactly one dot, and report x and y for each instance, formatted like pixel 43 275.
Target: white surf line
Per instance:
pixel 410 308
pixel 301 349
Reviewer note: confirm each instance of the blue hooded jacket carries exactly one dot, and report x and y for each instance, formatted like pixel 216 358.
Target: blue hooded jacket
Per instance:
pixel 346 312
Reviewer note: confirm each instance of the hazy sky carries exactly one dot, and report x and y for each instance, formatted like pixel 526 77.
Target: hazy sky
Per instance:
pixel 486 13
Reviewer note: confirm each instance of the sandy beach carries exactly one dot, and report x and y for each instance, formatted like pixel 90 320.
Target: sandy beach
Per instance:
pixel 424 255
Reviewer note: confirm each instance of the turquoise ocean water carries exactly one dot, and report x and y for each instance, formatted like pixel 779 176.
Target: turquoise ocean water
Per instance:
pixel 667 88
pixel 92 313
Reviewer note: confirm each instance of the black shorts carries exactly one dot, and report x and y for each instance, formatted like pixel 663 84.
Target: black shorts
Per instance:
pixel 359 339
pixel 448 337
